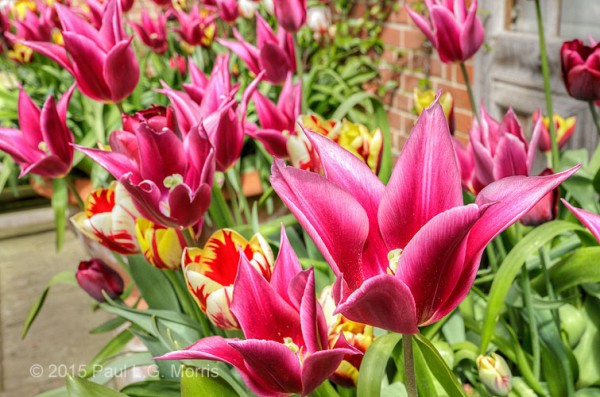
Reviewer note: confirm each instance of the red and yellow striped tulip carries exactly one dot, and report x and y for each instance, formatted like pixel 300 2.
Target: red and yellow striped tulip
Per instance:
pixel 211 271
pixel 162 247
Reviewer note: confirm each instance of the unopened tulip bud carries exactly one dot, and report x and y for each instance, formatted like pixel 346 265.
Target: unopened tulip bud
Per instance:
pixel 495 374
pixel 95 276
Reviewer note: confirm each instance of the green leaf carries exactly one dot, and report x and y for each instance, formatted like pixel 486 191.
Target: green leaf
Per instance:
pixel 325 390
pixel 578 268
pixel 108 326
pixel 438 367
pixel 78 387
pixel 196 383
pixel 153 388
pixel 372 368
pixel 153 284
pixel 58 392
pixel 511 266
pixel 350 103
pixel 66 277
pixel 60 197
pixel 386 165
pixel 112 348
pixel 104 373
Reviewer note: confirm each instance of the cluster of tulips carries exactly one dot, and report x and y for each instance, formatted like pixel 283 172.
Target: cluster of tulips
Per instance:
pixel 396 249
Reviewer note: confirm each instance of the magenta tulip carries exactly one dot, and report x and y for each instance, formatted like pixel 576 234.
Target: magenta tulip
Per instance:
pixel 455 33
pixel 274 52
pixel 210 102
pixel 36 26
pixel 546 209
pixel 277 121
pixel 286 350
pixel 95 276
pixel 153 33
pixel 169 179
pixel 581 69
pixel 589 219
pixel 405 254
pixel 228 10
pixel 43 145
pixel 101 61
pixel 196 28
pixel 291 14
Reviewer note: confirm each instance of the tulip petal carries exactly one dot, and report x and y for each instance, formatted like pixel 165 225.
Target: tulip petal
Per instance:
pixel 538 132
pixel 116 163
pixel 425 181
pixel 383 301
pixel 270 116
pixel 319 366
pixel 273 140
pixel 219 349
pixel 187 207
pixel 71 22
pixel 161 154
pixel 422 24
pixel 512 197
pixel 14 143
pixel 511 158
pixel 432 262
pixel 352 175
pixel 278 366
pixel 187 111
pixel 274 60
pixel 53 51
pixel 63 104
pixel 88 66
pixel 121 70
pixel 333 218
pixel 287 266
pixel 589 219
pixel 56 134
pixel 254 298
pixel 472 33
pixel 312 319
pixel 49 166
pixel 447 32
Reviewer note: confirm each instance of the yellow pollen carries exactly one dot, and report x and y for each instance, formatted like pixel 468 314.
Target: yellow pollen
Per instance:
pixel 173 180
pixel 289 343
pixel 393 258
pixel 43 146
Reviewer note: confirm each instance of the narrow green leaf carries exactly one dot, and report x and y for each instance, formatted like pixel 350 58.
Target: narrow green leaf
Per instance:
pixel 385 167
pixel 349 103
pixel 112 348
pixel 108 326
pixel 578 268
pixel 325 390
pixel 60 198
pixel 372 368
pixel 66 277
pixel 200 382
pixel 153 388
pixel 153 284
pixel 438 367
pixel 78 387
pixel 511 266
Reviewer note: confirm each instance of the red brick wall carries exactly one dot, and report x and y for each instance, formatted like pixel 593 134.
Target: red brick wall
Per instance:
pixel 419 62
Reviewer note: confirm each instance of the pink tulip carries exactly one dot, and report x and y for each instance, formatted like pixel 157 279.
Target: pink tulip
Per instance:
pixel 564 128
pixel 405 254
pixel 277 121
pixel 291 14
pixel 95 276
pixel 217 111
pixel 153 33
pixel 228 10
pixel 126 5
pixel 169 179
pixel 43 145
pixel 274 52
pixel 285 350
pixel 455 33
pixel 101 61
pixel 36 26
pixel 589 219
pixel 196 28
pixel 580 66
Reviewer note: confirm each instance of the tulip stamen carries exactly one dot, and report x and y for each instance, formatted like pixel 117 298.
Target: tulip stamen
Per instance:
pixel 393 259
pixel 173 180
pixel 43 146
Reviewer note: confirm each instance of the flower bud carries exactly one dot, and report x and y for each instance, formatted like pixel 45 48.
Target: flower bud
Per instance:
pixel 95 276
pixel 495 374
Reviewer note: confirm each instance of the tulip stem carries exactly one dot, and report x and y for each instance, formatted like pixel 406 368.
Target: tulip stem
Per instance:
pixel 595 116
pixel 188 236
pixel 75 193
pixel 535 338
pixel 410 379
pixel 120 107
pixel 546 263
pixel 300 72
pixel 547 88
pixel 463 69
